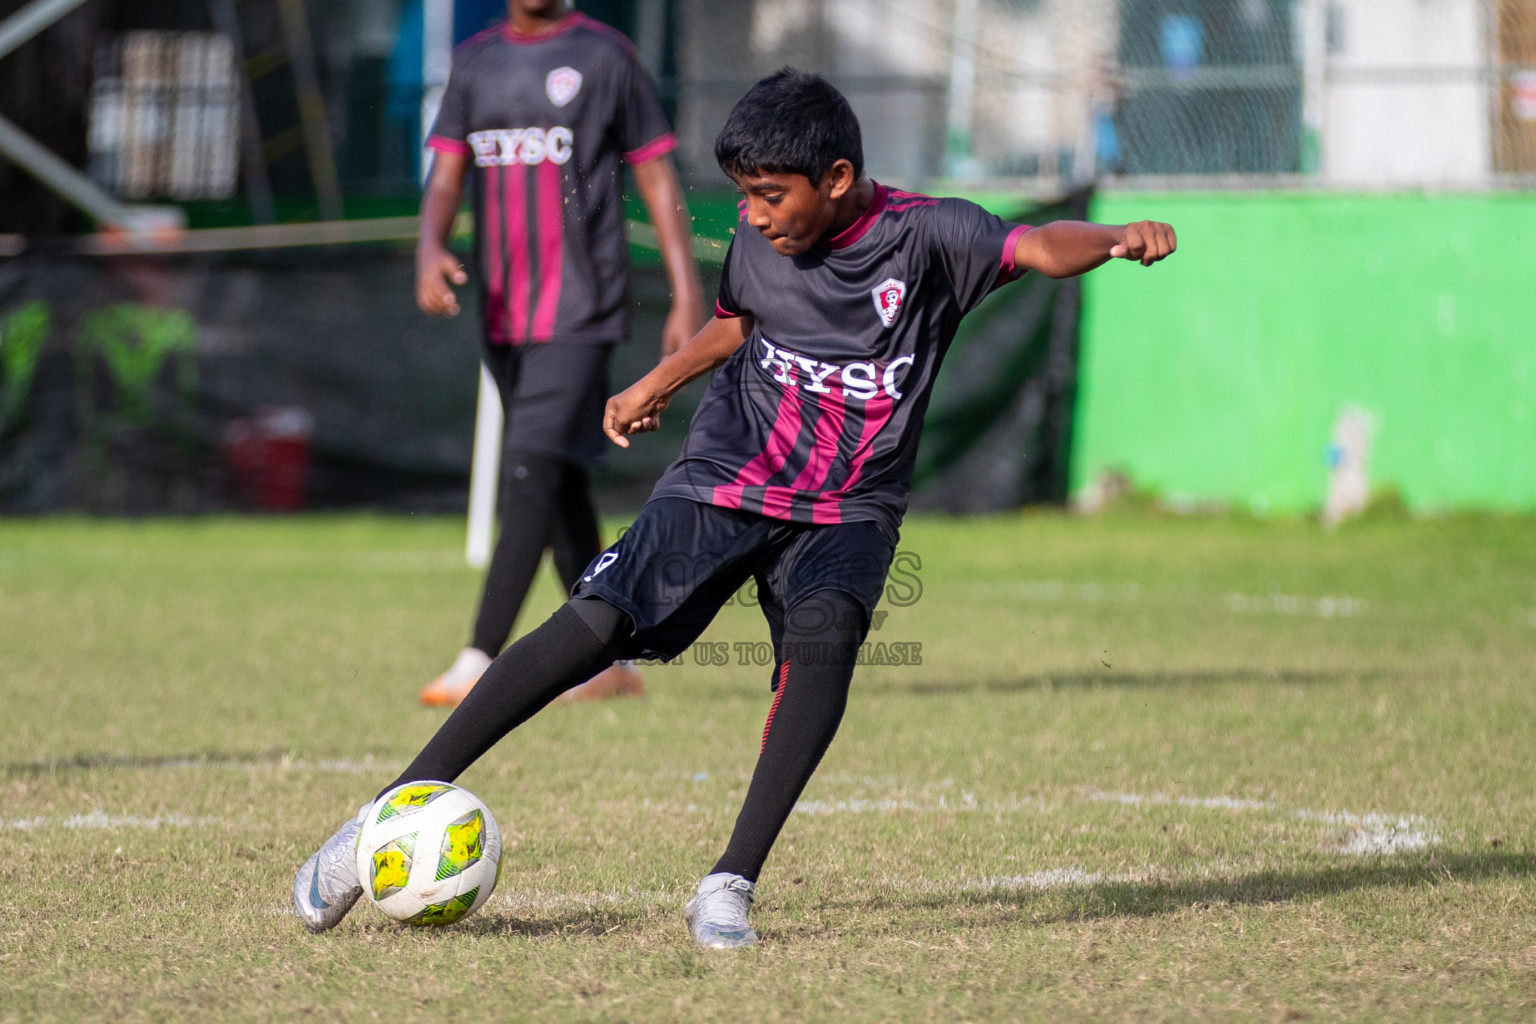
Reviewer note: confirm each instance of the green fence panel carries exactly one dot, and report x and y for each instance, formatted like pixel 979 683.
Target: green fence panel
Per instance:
pixel 1218 375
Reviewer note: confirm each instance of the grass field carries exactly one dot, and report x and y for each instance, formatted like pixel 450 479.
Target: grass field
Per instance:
pixel 1149 769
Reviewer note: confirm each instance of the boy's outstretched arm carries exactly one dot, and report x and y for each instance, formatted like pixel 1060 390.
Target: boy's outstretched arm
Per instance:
pixel 663 195
pixel 1064 248
pixel 638 408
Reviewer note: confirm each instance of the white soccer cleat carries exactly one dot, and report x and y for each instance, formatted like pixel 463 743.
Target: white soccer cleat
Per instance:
pixel 327 885
pixel 449 689
pixel 717 914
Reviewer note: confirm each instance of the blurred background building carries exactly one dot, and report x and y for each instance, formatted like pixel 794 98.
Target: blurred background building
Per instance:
pixel 1348 93
pixel 1351 181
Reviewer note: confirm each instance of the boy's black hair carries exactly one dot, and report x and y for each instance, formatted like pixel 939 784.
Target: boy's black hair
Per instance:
pixel 791 122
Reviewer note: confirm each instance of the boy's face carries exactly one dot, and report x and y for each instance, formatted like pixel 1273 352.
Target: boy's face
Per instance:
pixel 792 212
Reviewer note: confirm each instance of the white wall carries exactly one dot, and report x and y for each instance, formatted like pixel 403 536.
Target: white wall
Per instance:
pixel 1036 64
pixel 1401 103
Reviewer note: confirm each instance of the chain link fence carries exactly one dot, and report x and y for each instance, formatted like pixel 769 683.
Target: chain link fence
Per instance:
pixel 1337 93
pixel 1032 95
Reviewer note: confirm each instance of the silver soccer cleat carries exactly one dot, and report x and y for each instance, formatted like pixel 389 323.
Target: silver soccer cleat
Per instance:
pixel 327 885
pixel 717 914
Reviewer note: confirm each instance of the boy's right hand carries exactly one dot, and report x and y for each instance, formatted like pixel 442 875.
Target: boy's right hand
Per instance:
pixel 435 268
pixel 635 410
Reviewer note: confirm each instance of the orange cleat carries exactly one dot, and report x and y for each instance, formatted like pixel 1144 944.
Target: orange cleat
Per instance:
pixel 449 689
pixel 617 680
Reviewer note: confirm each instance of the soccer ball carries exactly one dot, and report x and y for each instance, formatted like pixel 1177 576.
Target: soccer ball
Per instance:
pixel 429 853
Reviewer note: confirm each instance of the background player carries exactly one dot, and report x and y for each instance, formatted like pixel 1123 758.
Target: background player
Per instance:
pixel 838 300
pixel 541 111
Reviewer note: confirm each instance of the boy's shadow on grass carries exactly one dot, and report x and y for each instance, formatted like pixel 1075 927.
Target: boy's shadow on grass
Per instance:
pixel 916 685
pixel 1046 681
pixel 1119 899
pixel 573 923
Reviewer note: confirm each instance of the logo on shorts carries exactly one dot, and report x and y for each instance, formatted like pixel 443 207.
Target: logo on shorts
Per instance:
pixel 562 85
pixel 888 295
pixel 609 557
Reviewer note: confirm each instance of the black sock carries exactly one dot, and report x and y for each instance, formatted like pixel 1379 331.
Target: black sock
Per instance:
pixel 569 648
pixel 821 639
pixel 575 540
pixel 529 498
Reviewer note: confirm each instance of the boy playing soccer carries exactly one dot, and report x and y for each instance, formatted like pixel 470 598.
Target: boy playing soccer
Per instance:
pixel 838 299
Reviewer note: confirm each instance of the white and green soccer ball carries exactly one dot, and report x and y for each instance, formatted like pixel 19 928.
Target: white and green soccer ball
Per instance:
pixel 429 853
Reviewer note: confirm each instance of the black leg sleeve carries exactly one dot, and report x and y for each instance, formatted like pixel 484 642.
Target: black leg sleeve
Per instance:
pixel 529 497
pixel 569 648
pixel 821 641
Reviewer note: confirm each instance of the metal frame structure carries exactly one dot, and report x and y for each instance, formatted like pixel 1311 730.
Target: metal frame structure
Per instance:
pixel 43 164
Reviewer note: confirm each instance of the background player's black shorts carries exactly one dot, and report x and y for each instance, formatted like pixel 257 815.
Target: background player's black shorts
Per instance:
pixel 553 394
pixel 682 560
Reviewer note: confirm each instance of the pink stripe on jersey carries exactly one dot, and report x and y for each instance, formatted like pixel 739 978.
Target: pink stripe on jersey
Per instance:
pixel 443 144
pixel 516 221
pixel 1008 270
pixel 777 501
pixel 722 313
pixel 877 412
pixel 495 273
pixel 781 442
pixel 560 28
pixel 551 229
pixel 859 228
pixel 658 146
pixel 906 200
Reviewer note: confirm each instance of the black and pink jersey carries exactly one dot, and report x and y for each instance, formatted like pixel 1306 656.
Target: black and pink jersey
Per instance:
pixel 816 418
pixel 546 120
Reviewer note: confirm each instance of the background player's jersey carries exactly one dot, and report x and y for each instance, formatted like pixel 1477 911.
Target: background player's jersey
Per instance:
pixel 545 121
pixel 816 418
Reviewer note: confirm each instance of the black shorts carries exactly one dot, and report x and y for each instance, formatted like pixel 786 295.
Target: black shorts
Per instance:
pixel 682 560
pixel 553 395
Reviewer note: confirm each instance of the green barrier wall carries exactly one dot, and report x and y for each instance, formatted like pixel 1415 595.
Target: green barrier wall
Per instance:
pixel 1218 375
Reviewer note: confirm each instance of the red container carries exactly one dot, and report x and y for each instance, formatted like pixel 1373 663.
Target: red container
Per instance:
pixel 268 457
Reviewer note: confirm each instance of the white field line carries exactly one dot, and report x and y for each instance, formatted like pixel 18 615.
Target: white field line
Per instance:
pixel 99 820
pixel 1326 607
pixel 966 802
pixel 343 766
pixel 1361 834
pixel 1368 834
pixel 1056 590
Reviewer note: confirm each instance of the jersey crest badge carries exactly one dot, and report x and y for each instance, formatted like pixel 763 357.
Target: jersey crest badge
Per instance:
pixel 888 295
pixel 562 85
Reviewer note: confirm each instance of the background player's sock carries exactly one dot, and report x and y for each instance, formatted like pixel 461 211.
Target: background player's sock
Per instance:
pixel 529 500
pixel 575 539
pixel 807 708
pixel 569 648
